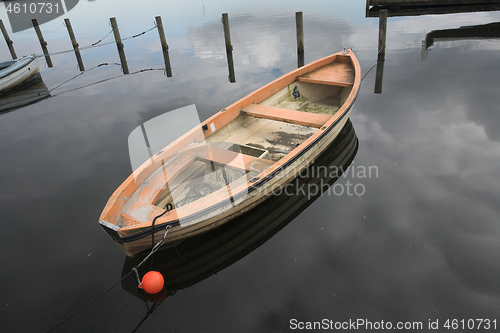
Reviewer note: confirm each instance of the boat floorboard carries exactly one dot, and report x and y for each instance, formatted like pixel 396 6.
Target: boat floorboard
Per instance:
pixel 337 74
pixel 286 115
pixel 278 137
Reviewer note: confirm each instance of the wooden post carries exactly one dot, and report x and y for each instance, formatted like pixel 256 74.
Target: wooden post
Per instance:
pixel 382 32
pixel 164 46
pixel 43 43
pixel 229 47
pixel 300 39
pixel 227 35
pixel 75 44
pixel 119 45
pixel 8 41
pixel 379 77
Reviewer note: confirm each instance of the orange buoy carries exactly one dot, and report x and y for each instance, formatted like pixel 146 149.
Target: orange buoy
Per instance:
pixel 152 282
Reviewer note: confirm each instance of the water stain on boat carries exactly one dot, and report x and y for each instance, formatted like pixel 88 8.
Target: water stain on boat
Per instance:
pixel 289 140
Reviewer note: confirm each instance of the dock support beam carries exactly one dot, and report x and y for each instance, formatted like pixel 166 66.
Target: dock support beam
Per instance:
pixel 382 32
pixel 300 39
pixel 229 47
pixel 8 41
pixel 43 43
pixel 164 45
pixel 75 44
pixel 119 45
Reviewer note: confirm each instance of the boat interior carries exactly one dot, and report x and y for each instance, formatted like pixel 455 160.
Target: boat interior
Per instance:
pixel 260 135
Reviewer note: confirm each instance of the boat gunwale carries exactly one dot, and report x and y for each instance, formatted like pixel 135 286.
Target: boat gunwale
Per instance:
pixel 237 108
pixel 26 62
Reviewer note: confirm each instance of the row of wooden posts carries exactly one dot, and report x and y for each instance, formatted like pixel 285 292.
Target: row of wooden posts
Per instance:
pixel 164 45
pixel 118 40
pixel 227 37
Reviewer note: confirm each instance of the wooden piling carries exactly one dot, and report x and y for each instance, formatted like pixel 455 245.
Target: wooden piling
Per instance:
pixel 8 41
pixel 164 45
pixel 43 43
pixel 75 44
pixel 300 39
pixel 119 45
pixel 227 35
pixel 379 77
pixel 229 47
pixel 382 32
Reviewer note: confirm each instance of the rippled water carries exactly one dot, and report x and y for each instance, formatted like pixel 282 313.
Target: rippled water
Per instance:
pixel 419 244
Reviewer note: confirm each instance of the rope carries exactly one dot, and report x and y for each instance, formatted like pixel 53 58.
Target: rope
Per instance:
pixel 153 250
pixel 96 44
pixel 368 72
pixel 90 302
pixel 373 57
pixel 100 40
pixel 108 79
pixel 370 62
pixel 83 72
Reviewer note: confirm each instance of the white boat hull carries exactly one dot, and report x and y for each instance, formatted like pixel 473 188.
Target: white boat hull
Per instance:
pixel 18 71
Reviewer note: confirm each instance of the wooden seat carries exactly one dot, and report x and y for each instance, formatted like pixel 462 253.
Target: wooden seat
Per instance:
pixel 289 116
pixel 232 159
pixel 337 74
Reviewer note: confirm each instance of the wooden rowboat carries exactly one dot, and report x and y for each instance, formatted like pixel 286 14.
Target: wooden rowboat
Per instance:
pixel 15 72
pixel 236 159
pixel 202 256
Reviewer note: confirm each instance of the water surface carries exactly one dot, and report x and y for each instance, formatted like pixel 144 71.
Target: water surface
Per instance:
pixel 419 244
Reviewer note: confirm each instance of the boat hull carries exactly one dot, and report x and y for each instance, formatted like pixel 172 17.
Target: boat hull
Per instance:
pixel 339 73
pixel 252 199
pixel 18 72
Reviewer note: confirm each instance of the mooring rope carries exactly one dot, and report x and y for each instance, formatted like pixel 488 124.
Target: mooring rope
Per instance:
pixel 96 44
pixel 370 62
pixel 368 72
pixel 83 72
pixel 134 269
pixel 104 80
pixel 373 57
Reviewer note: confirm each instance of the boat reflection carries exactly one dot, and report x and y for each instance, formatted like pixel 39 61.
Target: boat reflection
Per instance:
pixel 31 91
pixel 199 257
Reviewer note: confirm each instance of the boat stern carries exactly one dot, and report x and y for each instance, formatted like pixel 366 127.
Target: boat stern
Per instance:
pixel 111 229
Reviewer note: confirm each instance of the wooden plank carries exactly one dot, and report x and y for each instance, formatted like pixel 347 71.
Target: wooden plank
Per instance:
pixel 286 115
pixel 337 74
pixel 231 158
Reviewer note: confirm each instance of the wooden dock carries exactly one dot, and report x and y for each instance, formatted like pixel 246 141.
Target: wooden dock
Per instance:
pixel 427 7
pixel 428 2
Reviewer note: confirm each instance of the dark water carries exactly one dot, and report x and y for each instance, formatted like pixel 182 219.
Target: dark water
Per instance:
pixel 418 244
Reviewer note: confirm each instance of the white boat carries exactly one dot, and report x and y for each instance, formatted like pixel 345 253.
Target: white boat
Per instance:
pixel 15 72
